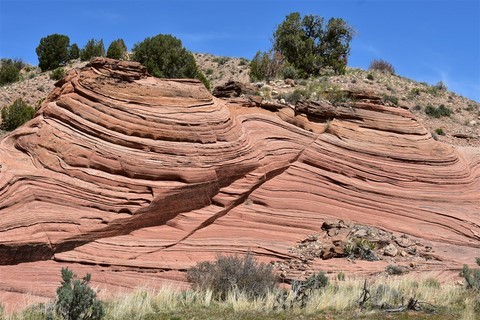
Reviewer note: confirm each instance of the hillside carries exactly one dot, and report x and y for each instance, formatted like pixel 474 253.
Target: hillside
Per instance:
pixel 462 128
pixel 135 179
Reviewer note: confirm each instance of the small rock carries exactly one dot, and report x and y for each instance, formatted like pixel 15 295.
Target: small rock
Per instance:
pixel 403 253
pixel 337 251
pixel 472 123
pixel 390 250
pixel 290 82
pixel 333 224
pixel 332 232
pixel 361 233
pixel 327 255
pixel 282 101
pixel 274 93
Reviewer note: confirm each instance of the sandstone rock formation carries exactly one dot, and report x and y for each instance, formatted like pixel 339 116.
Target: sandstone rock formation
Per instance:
pixel 135 179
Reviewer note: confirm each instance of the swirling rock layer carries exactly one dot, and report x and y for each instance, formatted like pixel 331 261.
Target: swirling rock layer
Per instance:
pixel 136 179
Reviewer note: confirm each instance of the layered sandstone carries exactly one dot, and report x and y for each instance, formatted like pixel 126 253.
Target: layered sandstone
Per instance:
pixel 136 179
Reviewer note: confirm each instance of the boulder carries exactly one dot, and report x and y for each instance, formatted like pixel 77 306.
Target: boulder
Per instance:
pixel 232 89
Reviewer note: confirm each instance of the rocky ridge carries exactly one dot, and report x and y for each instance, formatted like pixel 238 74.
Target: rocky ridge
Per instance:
pixel 135 179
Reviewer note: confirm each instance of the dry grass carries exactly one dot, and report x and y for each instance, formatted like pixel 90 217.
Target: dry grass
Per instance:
pixel 338 300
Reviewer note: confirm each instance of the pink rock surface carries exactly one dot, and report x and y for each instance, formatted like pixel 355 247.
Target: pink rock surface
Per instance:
pixel 135 179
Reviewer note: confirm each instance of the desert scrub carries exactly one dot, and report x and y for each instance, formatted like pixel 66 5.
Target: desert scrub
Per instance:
pixel 265 66
pixel 360 249
pixel 440 131
pixel 76 300
pixel 221 60
pixel 439 112
pixel 57 74
pixel 295 96
pixel 391 99
pixel 437 89
pixel 382 66
pixel 233 274
pixel 10 70
pixel 339 299
pixel 16 114
pixel 472 277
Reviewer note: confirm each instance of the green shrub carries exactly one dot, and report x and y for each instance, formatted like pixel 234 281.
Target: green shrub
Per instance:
pixel 117 49
pixel 243 62
pixel 395 270
pixel 265 65
pixel 441 86
pixel 440 131
pixel 392 99
pixel 437 88
pixel 232 273
pixel 73 52
pixel 221 60
pixel 303 290
pixel 295 96
pixel 165 57
pixel 441 111
pixel 290 72
pixel 76 300
pixel 316 281
pixel 10 71
pixel 370 77
pixel 52 51
pixel 310 46
pixel 382 66
pixel 471 276
pixel 360 249
pixel 57 74
pixel 16 114
pixel 92 49
pixel 415 92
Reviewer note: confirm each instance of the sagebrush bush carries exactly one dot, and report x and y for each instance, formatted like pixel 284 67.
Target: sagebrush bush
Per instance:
pixel 290 72
pixel 233 273
pixel 76 300
pixel 392 99
pixel 382 66
pixel 360 249
pixel 471 276
pixel 57 74
pixel 441 111
pixel 16 114
pixel 441 86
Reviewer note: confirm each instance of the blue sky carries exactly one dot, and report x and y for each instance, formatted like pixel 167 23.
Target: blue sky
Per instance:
pixel 425 40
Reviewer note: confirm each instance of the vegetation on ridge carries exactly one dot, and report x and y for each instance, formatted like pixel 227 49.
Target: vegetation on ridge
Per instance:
pixel 165 57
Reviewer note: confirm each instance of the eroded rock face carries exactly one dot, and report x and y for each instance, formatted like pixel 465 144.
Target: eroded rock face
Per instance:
pixel 124 174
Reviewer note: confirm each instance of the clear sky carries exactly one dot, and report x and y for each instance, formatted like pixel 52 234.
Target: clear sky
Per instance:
pixel 425 40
